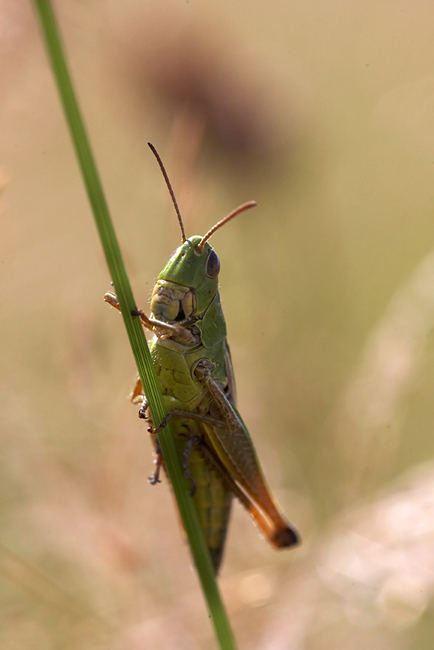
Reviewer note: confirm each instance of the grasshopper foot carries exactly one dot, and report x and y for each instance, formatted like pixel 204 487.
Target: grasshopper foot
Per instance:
pixel 155 478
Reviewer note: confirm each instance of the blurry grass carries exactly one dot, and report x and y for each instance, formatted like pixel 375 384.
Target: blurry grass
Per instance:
pixel 133 326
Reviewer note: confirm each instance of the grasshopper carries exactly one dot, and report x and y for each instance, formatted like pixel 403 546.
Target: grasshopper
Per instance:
pixel 193 363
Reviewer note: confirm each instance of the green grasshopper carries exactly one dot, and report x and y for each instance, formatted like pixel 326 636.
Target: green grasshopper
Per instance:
pixel 192 360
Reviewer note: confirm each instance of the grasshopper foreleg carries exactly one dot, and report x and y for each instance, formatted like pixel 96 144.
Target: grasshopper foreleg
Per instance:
pixel 144 411
pixel 161 329
pixel 137 395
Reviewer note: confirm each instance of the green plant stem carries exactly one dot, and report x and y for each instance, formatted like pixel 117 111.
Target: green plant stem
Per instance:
pixel 134 329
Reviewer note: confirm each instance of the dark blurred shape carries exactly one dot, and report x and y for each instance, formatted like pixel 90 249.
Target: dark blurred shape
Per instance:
pixel 200 79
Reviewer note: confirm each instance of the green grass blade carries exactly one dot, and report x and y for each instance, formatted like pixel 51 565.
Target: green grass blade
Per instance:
pixel 134 329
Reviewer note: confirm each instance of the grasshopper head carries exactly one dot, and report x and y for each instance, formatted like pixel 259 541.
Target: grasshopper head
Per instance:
pixel 188 282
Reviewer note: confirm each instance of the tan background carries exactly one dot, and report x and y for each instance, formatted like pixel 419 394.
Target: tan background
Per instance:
pixel 322 112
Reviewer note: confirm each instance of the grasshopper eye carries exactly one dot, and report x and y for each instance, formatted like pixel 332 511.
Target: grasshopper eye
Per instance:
pixel 212 265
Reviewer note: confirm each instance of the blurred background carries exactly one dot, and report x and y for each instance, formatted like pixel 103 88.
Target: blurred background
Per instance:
pixel 323 113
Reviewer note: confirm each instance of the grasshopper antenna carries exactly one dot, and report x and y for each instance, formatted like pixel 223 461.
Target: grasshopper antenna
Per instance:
pixel 219 224
pixel 169 187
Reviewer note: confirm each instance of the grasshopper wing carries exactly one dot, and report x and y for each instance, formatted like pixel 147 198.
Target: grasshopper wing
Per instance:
pixel 239 465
